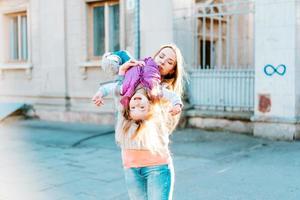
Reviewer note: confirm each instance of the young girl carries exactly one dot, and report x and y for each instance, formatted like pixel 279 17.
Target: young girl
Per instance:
pixel 140 88
pixel 147 164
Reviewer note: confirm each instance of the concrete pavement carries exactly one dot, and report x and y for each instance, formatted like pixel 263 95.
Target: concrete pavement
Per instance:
pixel 63 161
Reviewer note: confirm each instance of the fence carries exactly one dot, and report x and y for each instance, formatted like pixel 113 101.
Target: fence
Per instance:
pixel 222 89
pixel 223 73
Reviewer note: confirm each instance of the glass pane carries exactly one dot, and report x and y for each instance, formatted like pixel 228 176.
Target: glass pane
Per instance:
pixel 99 32
pixel 114 28
pixel 24 51
pixel 13 38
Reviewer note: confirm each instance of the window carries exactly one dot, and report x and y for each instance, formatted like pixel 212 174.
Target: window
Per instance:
pixel 17 37
pixel 207 57
pixel 104 28
pixel 224 35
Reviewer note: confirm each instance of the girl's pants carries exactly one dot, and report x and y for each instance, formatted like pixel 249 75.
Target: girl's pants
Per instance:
pixel 150 183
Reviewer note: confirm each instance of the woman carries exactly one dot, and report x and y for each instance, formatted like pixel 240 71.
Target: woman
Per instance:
pixel 147 162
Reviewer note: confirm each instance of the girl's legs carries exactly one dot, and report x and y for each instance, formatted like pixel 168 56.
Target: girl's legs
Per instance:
pixel 150 183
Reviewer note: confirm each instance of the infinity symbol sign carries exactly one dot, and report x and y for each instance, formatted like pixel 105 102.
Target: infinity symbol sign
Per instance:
pixel 270 70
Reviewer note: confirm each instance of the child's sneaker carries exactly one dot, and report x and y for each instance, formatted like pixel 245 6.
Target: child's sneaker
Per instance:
pixel 111 61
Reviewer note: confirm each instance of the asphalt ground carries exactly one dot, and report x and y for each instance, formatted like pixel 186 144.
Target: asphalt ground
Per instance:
pixel 71 161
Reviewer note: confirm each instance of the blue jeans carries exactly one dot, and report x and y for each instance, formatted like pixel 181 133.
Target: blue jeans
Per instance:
pixel 150 183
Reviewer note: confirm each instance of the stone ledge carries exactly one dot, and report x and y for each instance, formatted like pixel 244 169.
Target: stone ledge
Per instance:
pixel 218 124
pixel 235 115
pixel 105 118
pixel 27 67
pixel 277 131
pixel 88 65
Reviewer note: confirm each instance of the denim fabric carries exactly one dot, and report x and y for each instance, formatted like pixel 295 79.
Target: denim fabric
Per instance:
pixel 150 183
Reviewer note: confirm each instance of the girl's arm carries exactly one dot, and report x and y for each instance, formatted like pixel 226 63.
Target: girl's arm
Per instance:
pixel 103 91
pixel 107 89
pixel 123 68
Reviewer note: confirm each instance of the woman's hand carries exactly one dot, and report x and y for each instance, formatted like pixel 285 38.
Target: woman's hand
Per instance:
pixel 123 68
pixel 98 99
pixel 175 109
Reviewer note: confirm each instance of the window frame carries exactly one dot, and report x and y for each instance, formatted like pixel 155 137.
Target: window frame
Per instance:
pixel 8 17
pixel 90 24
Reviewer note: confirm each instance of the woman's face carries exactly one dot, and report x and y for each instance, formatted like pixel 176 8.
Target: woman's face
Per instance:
pixel 139 106
pixel 166 61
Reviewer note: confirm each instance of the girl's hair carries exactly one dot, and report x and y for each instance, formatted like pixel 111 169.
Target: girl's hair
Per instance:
pixel 141 123
pixel 149 132
pixel 175 81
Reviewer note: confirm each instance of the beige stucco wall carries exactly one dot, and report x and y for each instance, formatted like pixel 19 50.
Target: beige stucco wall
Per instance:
pixel 297 65
pixel 183 29
pixel 156 25
pixel 81 85
pixel 58 46
pixel 46 54
pixel 57 32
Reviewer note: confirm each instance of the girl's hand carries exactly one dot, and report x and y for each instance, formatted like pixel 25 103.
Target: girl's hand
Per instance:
pixel 175 110
pixel 123 68
pixel 98 99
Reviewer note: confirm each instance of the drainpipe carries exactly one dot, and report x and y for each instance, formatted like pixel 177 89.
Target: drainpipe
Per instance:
pixel 67 95
pixel 137 37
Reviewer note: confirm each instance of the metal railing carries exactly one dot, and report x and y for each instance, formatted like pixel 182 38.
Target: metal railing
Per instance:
pixel 222 77
pixel 222 89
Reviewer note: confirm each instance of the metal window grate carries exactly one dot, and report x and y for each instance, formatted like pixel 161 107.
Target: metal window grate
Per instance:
pixel 222 77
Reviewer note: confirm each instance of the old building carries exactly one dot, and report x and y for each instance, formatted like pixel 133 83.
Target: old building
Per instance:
pixel 241 57
pixel 50 50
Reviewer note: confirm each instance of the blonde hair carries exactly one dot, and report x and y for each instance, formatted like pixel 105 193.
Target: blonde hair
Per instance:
pixel 149 132
pixel 141 123
pixel 175 81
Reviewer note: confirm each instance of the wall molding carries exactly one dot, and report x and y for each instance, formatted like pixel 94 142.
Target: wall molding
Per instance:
pixel 88 65
pixel 27 67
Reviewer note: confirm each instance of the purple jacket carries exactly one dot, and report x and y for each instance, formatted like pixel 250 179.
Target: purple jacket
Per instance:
pixel 148 76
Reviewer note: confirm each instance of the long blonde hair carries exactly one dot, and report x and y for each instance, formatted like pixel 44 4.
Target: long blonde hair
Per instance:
pixel 150 133
pixel 175 81
pixel 140 123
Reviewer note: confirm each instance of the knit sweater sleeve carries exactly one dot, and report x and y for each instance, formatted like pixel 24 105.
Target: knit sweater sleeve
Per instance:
pixel 171 96
pixel 108 88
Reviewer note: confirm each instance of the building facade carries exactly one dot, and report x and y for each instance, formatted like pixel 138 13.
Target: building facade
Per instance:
pixel 51 50
pixel 241 55
pixel 246 60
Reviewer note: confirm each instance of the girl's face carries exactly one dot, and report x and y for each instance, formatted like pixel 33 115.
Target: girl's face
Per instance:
pixel 139 106
pixel 166 61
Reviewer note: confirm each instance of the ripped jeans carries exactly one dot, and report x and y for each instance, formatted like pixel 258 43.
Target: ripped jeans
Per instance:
pixel 150 183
